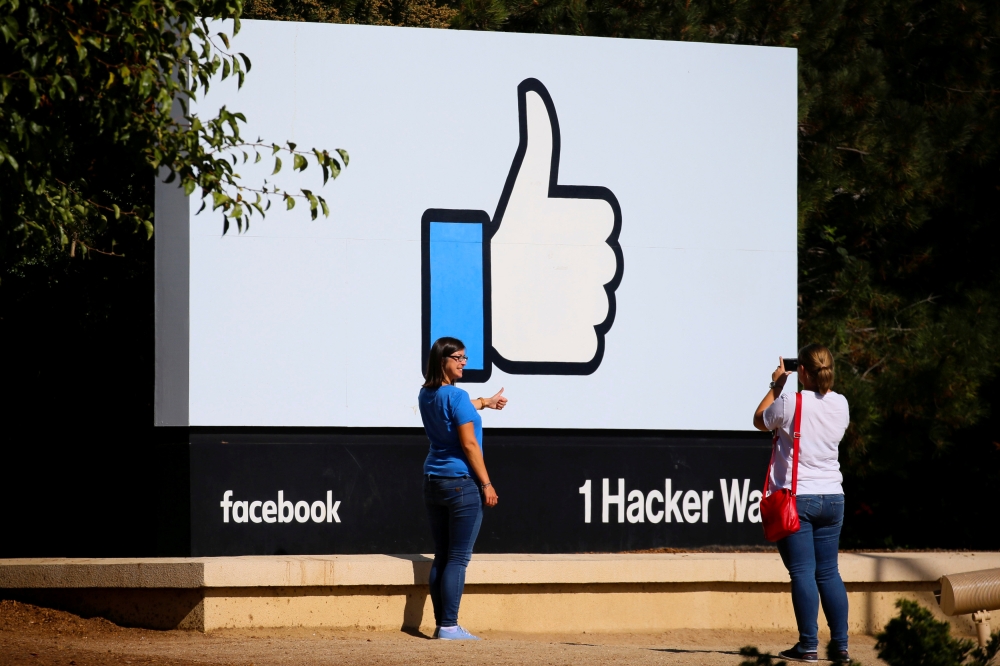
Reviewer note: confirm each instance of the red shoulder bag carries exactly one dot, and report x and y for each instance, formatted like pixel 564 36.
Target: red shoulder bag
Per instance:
pixel 778 512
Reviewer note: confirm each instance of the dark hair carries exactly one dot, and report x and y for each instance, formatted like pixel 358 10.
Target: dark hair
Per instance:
pixel 442 347
pixel 818 360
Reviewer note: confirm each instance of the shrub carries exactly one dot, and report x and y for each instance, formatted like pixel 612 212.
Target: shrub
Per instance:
pixel 915 638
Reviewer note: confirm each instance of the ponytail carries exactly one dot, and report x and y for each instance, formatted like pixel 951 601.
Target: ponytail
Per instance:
pixel 818 360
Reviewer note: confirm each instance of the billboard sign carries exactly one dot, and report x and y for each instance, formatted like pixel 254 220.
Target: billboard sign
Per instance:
pixel 609 225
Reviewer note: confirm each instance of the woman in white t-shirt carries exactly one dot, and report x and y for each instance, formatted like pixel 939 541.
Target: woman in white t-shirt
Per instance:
pixel 810 555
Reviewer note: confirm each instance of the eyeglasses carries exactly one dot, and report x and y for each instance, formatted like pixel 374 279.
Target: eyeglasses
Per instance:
pixel 461 359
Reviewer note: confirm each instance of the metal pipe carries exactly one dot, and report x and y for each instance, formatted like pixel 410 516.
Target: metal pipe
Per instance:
pixel 976 592
pixel 982 620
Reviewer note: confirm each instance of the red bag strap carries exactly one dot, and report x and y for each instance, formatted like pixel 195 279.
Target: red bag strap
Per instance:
pixel 795 442
pixel 774 448
pixel 796 425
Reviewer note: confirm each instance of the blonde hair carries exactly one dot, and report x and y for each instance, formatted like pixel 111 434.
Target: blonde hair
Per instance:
pixel 818 360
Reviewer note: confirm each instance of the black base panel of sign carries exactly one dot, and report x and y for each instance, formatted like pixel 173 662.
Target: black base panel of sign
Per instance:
pixel 377 480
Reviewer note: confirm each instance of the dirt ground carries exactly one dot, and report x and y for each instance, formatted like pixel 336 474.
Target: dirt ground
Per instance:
pixel 42 637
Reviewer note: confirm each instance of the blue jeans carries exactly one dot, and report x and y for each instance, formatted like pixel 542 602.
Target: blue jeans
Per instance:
pixel 810 555
pixel 455 509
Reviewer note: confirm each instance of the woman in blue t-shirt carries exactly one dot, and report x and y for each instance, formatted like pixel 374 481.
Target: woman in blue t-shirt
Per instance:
pixel 456 484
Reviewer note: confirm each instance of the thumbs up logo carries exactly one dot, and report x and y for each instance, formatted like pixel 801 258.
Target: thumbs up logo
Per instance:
pixel 531 291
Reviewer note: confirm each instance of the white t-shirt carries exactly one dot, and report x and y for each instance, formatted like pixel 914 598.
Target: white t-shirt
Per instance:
pixel 824 420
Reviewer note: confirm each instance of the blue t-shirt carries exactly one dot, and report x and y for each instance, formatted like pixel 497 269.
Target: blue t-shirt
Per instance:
pixel 442 411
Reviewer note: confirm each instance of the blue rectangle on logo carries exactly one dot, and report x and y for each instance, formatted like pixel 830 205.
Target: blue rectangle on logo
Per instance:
pixel 456 263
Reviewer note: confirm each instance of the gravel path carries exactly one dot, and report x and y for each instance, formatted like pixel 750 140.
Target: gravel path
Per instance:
pixel 37 636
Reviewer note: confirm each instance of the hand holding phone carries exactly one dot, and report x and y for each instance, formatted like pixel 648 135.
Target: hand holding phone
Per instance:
pixel 780 374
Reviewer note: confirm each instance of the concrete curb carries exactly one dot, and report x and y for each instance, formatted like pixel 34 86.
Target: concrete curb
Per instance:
pixel 505 592
pixel 487 569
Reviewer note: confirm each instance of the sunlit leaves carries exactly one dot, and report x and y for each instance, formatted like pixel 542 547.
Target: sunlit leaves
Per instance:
pixel 119 73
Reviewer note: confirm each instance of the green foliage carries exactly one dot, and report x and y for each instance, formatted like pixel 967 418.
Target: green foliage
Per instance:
pixel 915 638
pixel 415 13
pixel 756 658
pixel 94 103
pixel 899 188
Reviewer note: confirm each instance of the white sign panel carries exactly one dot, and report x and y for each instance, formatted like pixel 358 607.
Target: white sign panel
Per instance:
pixel 609 226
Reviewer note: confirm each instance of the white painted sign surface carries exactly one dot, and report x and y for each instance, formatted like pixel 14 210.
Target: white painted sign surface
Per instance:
pixel 319 323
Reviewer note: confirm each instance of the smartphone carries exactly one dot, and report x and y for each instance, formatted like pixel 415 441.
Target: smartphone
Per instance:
pixel 791 364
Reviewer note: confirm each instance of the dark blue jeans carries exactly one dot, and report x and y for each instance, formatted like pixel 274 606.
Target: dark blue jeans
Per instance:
pixel 455 509
pixel 810 555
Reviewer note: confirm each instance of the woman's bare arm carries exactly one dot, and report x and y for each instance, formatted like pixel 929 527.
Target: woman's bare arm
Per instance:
pixel 467 438
pixel 779 377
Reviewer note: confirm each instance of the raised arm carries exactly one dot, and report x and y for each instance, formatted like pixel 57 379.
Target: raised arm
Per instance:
pixel 778 379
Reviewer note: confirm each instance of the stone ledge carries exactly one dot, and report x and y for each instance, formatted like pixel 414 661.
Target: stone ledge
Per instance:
pixel 485 569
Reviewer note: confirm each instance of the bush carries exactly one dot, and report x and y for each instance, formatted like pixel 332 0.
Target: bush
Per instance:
pixel 915 638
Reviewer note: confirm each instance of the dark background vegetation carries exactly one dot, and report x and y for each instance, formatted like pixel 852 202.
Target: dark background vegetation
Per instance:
pixel 899 200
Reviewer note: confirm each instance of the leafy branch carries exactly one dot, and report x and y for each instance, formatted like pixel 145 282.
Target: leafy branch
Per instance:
pixel 83 83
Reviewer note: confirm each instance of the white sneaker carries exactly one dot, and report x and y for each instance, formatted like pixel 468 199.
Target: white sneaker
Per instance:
pixel 455 633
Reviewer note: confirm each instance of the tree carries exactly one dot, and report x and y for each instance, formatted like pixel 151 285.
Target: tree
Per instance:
pixel 899 188
pixel 94 102
pixel 414 13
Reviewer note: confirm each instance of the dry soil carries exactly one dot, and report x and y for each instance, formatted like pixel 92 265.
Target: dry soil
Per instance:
pixel 40 636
